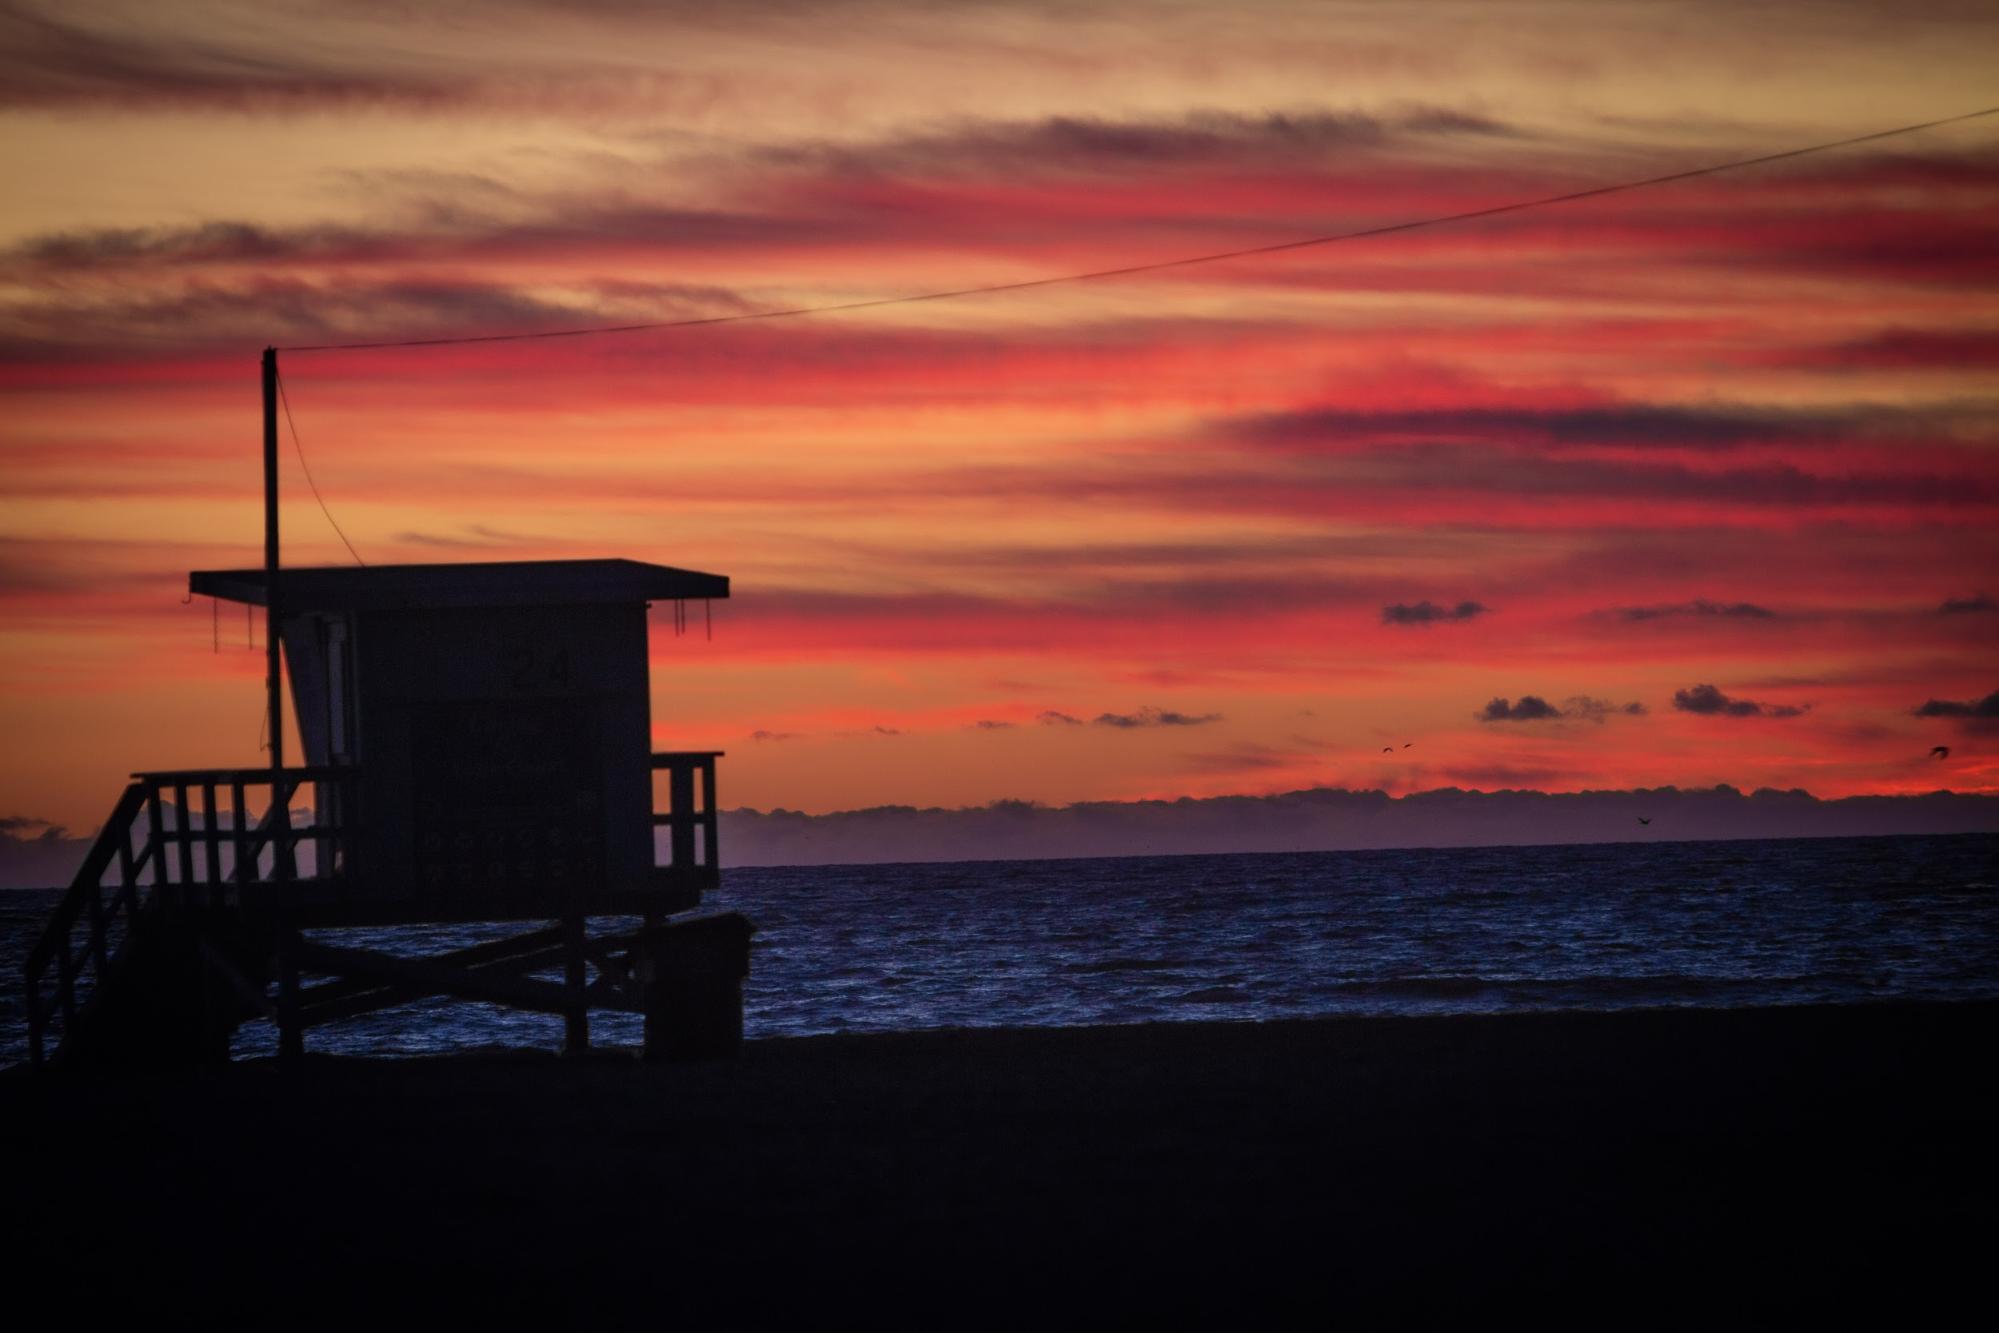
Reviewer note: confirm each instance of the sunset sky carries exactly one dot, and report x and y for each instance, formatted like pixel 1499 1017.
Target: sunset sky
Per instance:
pixel 1685 486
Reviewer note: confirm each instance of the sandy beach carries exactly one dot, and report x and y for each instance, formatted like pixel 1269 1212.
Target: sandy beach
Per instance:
pixel 1611 1166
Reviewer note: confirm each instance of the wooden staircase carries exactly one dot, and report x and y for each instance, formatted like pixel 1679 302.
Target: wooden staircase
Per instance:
pixel 149 957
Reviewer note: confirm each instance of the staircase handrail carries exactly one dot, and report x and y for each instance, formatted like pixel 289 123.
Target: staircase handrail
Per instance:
pixel 89 877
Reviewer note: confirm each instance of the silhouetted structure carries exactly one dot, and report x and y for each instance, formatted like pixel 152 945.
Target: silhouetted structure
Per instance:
pixel 478 748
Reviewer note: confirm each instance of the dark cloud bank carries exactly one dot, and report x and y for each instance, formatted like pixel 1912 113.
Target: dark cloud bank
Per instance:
pixel 1710 701
pixel 35 854
pixel 1699 608
pixel 1429 613
pixel 1325 819
pixel 1533 708
pixel 1975 714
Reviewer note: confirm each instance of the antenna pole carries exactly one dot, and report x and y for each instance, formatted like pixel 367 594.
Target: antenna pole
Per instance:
pixel 273 663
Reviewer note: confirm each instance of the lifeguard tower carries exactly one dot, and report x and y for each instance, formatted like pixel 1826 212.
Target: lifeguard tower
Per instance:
pixel 477 742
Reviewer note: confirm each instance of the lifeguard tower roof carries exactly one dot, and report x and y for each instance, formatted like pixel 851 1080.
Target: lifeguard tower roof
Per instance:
pixel 489 583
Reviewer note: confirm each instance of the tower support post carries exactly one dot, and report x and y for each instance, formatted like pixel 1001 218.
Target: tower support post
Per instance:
pixel 575 984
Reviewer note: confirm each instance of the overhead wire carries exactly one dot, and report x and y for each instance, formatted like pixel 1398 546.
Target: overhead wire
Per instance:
pixel 1095 275
pixel 1185 261
pixel 306 468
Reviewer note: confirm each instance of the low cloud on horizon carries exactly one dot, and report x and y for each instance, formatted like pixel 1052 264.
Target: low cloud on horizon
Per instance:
pixel 1429 613
pixel 1699 607
pixel 1334 819
pixel 1533 708
pixel 1710 701
pixel 1154 717
pixel 1971 714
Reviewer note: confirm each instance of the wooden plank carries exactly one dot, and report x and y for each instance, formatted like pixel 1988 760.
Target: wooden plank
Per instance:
pixel 309 773
pixel 680 797
pixel 535 949
pixel 710 853
pixel 96 891
pixel 669 758
pixel 240 830
pixel 185 839
pixel 157 847
pixel 291 1033
pixel 283 841
pixel 350 810
pixel 513 992
pixel 357 1002
pixel 211 843
pixel 322 840
pixel 250 870
pixel 128 872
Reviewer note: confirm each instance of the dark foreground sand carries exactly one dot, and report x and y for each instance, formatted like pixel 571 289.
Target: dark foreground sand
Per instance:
pixel 1611 1168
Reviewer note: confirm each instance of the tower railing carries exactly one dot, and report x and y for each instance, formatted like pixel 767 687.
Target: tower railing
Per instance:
pixel 191 843
pixel 690 815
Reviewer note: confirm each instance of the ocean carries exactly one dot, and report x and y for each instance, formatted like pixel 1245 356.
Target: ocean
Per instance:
pixel 1286 935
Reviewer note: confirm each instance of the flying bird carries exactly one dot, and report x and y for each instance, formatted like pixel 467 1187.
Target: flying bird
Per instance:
pixel 1643 820
pixel 1407 744
pixel 1939 752
pixel 1388 749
